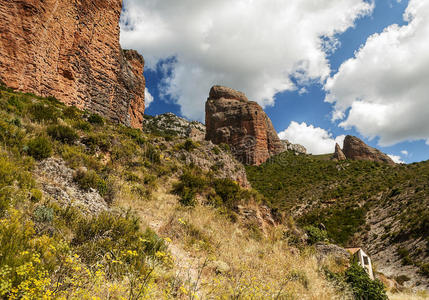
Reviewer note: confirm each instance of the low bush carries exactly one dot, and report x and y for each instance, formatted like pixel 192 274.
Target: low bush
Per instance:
pixel 118 235
pixel 216 150
pixel 424 269
pixel 63 134
pixel 152 154
pixel 97 142
pixel 76 157
pixel 72 113
pixel 36 195
pixel 191 183
pixel 88 179
pixel 315 234
pixel 40 148
pixel 229 191
pixel 96 119
pixel 43 113
pixel 43 214
pixel 82 125
pixel 362 286
pixel 189 145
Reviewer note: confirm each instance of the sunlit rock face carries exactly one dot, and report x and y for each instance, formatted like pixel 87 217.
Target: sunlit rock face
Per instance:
pixel 70 50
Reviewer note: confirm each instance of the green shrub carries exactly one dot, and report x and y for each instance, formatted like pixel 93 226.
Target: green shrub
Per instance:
pixel 190 184
pixel 189 145
pixel 225 147
pixel 39 148
pixel 152 154
pixel 401 279
pixel 404 254
pixel 362 286
pixel 16 104
pixel 82 125
pixel 10 133
pixel 76 157
pixel 135 134
pixel 109 233
pixel 315 234
pixel 43 214
pixel 424 270
pixel 63 134
pixel 97 142
pixel 87 179
pixel 36 195
pixel 216 150
pixel 96 119
pixel 124 152
pixel 72 113
pixel 229 191
pixel 43 113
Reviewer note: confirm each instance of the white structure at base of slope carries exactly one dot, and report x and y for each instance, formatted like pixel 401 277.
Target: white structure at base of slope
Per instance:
pixel 360 257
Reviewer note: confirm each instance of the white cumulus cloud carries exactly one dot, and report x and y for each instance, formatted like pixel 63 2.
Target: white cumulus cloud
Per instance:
pixel 252 46
pixel 317 140
pixel 148 98
pixel 404 152
pixel 386 84
pixel 396 158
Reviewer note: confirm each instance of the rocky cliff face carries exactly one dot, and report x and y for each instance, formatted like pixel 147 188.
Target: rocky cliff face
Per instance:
pixel 356 149
pixel 232 119
pixel 70 50
pixel 339 154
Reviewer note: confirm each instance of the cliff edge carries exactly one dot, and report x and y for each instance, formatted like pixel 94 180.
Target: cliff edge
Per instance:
pixel 70 50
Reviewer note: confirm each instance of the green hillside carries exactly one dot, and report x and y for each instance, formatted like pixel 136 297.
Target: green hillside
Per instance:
pixel 339 195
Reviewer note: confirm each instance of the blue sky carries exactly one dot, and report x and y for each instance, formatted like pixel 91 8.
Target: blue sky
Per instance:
pixel 308 107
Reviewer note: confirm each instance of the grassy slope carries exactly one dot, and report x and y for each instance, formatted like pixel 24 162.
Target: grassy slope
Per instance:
pixel 340 194
pixel 51 250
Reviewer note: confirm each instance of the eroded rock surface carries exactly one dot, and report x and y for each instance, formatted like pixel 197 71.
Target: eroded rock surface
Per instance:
pixel 297 148
pixel 356 149
pixel 70 50
pixel 170 124
pixel 56 180
pixel 242 124
pixel 339 154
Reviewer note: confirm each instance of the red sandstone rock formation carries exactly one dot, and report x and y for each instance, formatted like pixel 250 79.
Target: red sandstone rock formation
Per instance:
pixel 339 155
pixel 232 119
pixel 356 149
pixel 70 50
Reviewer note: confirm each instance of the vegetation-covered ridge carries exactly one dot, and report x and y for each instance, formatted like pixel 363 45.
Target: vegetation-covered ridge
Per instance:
pixel 352 199
pixel 90 209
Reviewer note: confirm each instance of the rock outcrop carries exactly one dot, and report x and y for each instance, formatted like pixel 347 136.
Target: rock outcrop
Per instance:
pixel 170 124
pixel 70 50
pixel 297 148
pixel 242 124
pixel 339 154
pixel 356 149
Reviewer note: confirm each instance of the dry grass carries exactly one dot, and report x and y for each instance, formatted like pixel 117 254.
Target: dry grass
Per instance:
pixel 252 266
pixel 422 295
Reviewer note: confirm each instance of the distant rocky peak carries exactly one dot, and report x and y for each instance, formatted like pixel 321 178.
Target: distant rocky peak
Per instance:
pixel 356 149
pixel 242 124
pixel 218 92
pixel 297 148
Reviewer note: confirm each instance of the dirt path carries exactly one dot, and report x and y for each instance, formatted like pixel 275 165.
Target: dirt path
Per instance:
pixel 156 214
